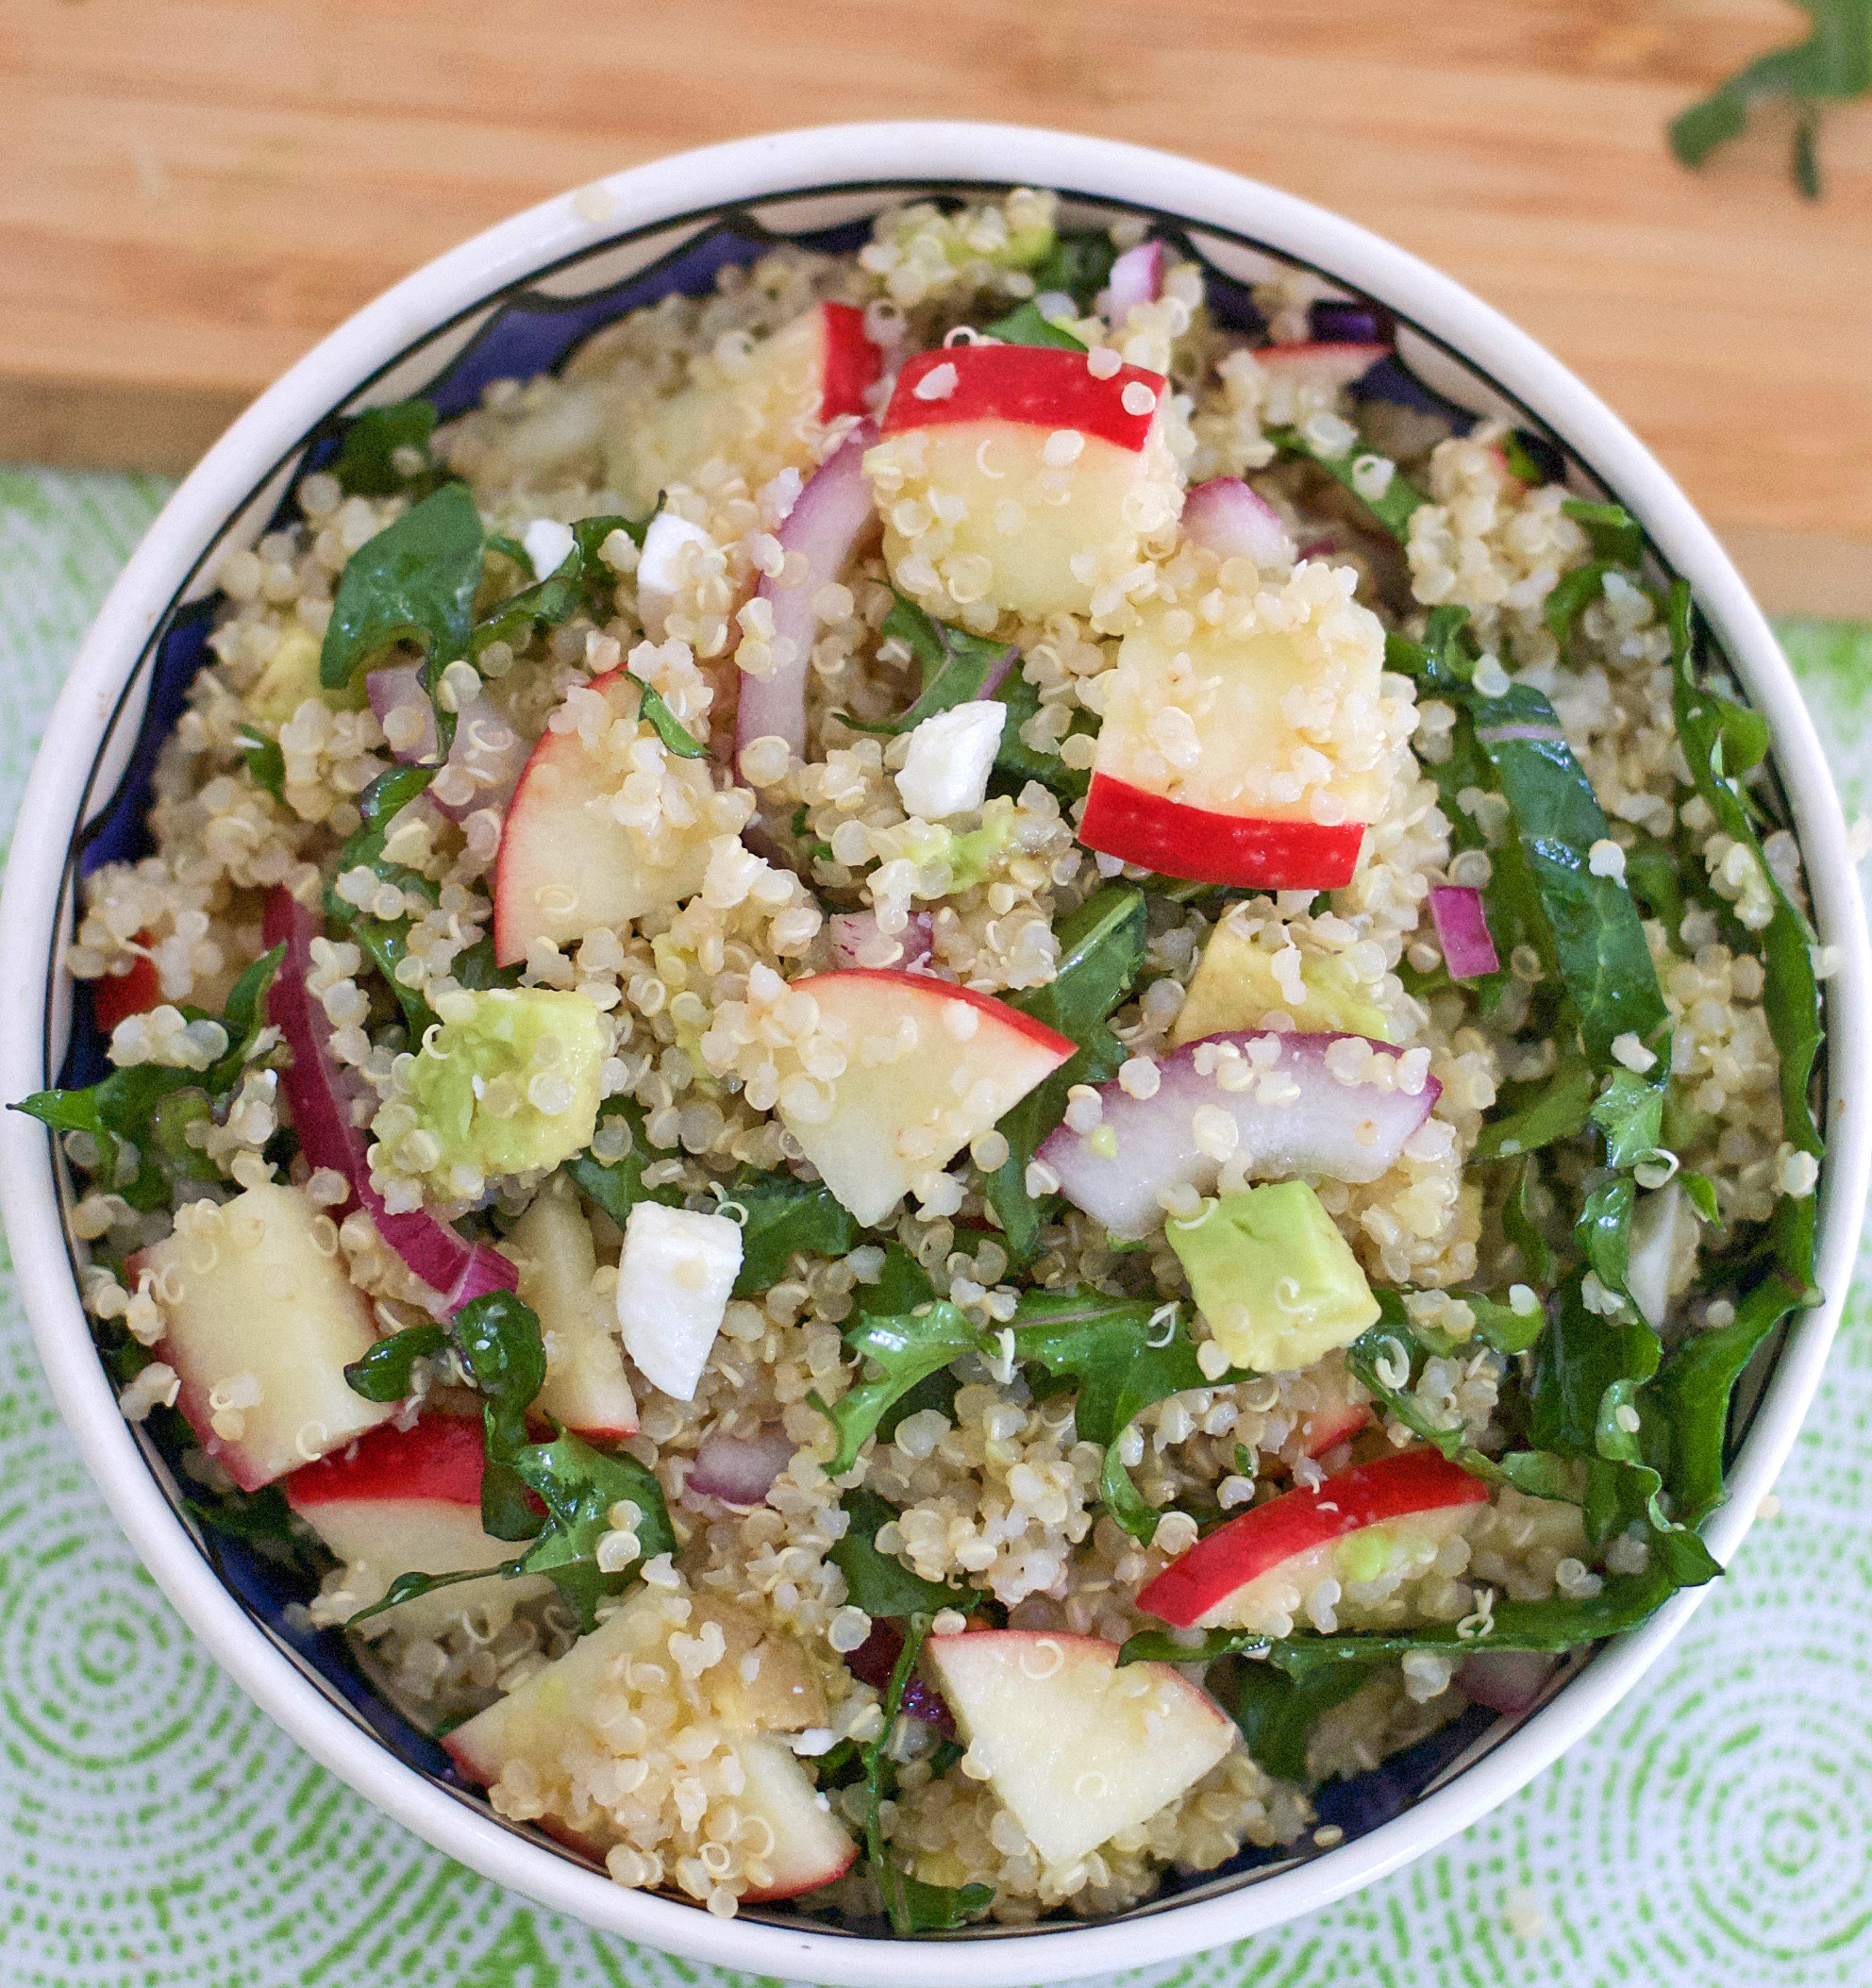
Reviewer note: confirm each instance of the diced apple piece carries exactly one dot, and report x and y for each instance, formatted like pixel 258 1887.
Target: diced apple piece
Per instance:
pixel 1075 1747
pixel 1015 474
pixel 1357 1528
pixel 1337 1414
pixel 762 413
pixel 1250 749
pixel 586 1389
pixel 1237 985
pixel 762 1684
pixel 811 1848
pixel 567 864
pixel 928 1067
pixel 409 1501
pixel 674 1282
pixel 261 1321
pixel 1325 366
pixel 117 997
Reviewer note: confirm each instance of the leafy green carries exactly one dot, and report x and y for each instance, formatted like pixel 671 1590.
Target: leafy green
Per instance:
pixel 1573 594
pixel 956 665
pixel 139 1115
pixel 1276 1714
pixel 559 1494
pixel 676 736
pixel 913 1905
pixel 1078 263
pixel 905 1348
pixel 1615 534
pixel 1833 64
pixel 617 1185
pixel 785 1217
pixel 266 763
pixel 1124 1354
pixel 415 581
pixel 1026 326
pixel 366 465
pixel 878 1582
pixel 1556 1107
pixel 1393 509
pixel 1101 955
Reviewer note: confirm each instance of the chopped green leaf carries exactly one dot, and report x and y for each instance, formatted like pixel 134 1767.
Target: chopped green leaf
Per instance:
pixel 366 462
pixel 265 761
pixel 617 1185
pixel 904 1348
pixel 387 1372
pixel 878 1582
pixel 785 1217
pixel 415 581
pixel 1392 507
pixel 1026 326
pixel 1079 264
pixel 1276 1714
pixel 1616 536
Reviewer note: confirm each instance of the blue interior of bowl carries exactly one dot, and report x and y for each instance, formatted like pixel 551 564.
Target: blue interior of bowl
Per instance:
pixel 528 333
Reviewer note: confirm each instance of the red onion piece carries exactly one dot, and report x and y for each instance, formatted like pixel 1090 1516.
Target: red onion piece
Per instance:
pixel 1505 1680
pixel 1137 278
pixel 486 747
pixel 876 1658
pixel 740 1470
pixel 1237 522
pixel 857 941
pixel 318 1100
pixel 829 517
pixel 1462 931
pixel 1323 1126
pixel 1321 548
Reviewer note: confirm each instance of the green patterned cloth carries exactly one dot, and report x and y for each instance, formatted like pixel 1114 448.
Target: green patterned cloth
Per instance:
pixel 155 1831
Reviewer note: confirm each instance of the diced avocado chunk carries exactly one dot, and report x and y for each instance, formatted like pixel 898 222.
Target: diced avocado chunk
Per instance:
pixel 509 1080
pixel 971 853
pixel 1235 986
pixel 290 675
pixel 1278 1283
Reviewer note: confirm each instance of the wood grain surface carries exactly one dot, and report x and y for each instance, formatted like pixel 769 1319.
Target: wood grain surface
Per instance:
pixel 193 190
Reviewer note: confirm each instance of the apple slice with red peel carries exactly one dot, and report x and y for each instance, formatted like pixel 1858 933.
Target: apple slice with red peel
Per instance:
pixel 1248 744
pixel 1022 476
pixel 566 863
pixel 586 1389
pixel 260 1321
pixel 1334 1107
pixel 762 411
pixel 1245 853
pixel 1336 1415
pixel 1075 1747
pixel 1255 1570
pixel 928 1067
pixel 1327 366
pixel 409 1501
pixel 811 1848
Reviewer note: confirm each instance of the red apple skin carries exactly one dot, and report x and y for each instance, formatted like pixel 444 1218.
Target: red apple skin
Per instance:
pixel 441 1458
pixel 920 987
pixel 852 363
pixel 1326 1432
pixel 1297 1521
pixel 1035 386
pixel 118 996
pixel 1178 839
pixel 793 1890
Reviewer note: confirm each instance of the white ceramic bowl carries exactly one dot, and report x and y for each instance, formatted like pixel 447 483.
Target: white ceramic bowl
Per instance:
pixel 594 241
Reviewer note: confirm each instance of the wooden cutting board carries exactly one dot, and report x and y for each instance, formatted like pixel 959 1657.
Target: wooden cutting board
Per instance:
pixel 192 191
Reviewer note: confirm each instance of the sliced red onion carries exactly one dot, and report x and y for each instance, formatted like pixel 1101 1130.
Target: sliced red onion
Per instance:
pixel 1320 548
pixel 1505 1680
pixel 740 1470
pixel 486 748
pixel 857 941
pixel 1462 931
pixel 1318 1122
pixel 829 517
pixel 873 1661
pixel 1137 278
pixel 1237 522
pixel 319 1102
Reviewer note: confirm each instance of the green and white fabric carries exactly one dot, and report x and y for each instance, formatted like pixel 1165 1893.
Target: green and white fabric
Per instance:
pixel 156 1831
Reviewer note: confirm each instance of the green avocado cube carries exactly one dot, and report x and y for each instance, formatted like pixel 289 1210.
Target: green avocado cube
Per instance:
pixel 509 1080
pixel 1273 1275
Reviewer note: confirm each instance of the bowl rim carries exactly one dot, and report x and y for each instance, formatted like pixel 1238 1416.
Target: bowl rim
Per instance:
pixel 758 168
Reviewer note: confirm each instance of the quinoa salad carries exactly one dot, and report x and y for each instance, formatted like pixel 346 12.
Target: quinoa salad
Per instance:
pixel 952 1075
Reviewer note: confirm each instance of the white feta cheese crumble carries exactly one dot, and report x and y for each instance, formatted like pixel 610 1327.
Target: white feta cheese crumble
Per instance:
pixel 548 544
pixel 946 771
pixel 656 568
pixel 674 1282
